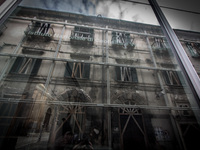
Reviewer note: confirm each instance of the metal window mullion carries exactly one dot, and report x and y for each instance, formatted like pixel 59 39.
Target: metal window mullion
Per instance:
pixel 13 6
pixel 163 90
pixel 158 73
pixel 108 92
pixel 10 61
pixel 49 77
pixel 185 65
pixel 55 56
pixel 122 73
pixel 182 58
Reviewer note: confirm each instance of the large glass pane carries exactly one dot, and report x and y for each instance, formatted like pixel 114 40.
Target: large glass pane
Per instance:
pixel 93 75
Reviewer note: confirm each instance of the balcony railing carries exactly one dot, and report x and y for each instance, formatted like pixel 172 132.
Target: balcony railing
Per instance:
pixel 160 46
pixel 122 41
pixel 40 31
pixel 82 38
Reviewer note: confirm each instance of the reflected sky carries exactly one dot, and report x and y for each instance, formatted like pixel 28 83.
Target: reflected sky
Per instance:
pixel 111 9
pixel 128 11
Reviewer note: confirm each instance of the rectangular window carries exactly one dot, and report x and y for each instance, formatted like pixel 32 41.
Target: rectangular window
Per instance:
pixel 194 49
pixel 173 78
pixel 122 40
pixel 28 66
pixel 128 74
pixel 77 70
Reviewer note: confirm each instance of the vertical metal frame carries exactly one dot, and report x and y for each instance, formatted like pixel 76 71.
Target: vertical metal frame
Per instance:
pixel 184 62
pixel 7 13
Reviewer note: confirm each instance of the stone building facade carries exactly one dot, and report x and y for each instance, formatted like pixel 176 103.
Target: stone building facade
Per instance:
pixel 110 84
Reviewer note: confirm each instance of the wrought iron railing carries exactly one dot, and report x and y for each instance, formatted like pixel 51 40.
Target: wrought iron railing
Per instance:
pixel 40 31
pixel 79 37
pixel 160 46
pixel 122 40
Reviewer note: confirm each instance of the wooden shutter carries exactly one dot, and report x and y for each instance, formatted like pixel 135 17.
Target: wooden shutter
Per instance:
pixel 75 68
pixel 17 64
pixel 68 70
pixel 118 74
pixel 86 71
pixel 36 67
pixel 166 77
pixel 134 75
pixel 172 78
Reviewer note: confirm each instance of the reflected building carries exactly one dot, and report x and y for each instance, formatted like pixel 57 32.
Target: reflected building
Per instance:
pixel 71 80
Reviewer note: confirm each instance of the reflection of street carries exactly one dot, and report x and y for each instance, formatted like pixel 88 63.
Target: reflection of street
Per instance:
pixel 30 141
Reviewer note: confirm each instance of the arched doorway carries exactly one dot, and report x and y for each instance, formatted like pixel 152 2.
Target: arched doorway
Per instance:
pixel 71 117
pixel 129 121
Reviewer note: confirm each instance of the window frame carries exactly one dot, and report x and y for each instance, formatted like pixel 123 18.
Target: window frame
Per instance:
pixel 26 66
pixel 77 70
pixel 128 41
pixel 126 74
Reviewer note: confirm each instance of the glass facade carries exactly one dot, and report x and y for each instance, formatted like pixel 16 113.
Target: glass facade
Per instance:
pixel 82 81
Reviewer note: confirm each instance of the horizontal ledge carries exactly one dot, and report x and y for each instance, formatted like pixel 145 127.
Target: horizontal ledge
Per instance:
pixel 97 28
pixel 87 104
pixel 89 62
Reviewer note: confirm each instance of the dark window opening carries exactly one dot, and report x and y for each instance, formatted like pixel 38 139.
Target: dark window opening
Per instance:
pixel 28 66
pixel 77 70
pixel 173 78
pixel 128 74
pixel 44 28
pixel 122 40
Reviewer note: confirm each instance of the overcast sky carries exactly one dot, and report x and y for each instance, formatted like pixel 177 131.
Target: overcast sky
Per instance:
pixel 128 10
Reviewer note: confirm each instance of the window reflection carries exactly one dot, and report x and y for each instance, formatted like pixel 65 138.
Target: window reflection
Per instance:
pixel 92 83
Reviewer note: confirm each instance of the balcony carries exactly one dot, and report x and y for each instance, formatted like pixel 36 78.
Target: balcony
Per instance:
pixel 41 31
pixel 122 41
pixel 160 47
pixel 82 36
